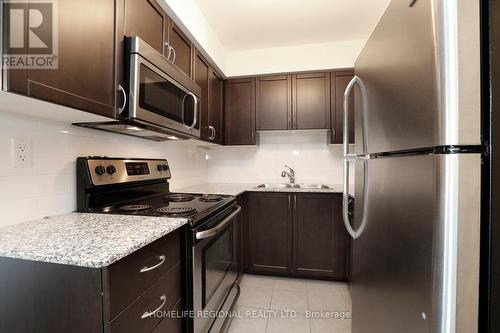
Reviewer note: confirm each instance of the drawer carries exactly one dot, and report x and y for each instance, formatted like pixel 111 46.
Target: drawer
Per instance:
pixel 130 319
pixel 171 325
pixel 131 276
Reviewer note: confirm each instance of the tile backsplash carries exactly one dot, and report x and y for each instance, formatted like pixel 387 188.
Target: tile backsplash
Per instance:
pixel 49 186
pixel 306 152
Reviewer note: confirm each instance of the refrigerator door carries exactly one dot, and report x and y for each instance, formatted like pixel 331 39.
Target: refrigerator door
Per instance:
pixel 419 245
pixel 422 75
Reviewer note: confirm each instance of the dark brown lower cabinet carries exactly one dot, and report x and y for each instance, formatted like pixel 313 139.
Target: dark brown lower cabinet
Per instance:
pixel 46 297
pixel 269 238
pixel 240 232
pixel 297 234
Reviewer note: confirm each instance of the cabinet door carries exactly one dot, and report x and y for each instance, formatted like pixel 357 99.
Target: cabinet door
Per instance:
pixel 201 72
pixel 145 19
pixel 183 48
pixel 216 105
pixel 84 78
pixel 311 101
pixel 340 80
pixel 240 112
pixel 321 244
pixel 269 238
pixel 274 99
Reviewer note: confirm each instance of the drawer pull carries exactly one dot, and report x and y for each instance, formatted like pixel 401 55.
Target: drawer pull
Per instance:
pixel 163 299
pixel 147 269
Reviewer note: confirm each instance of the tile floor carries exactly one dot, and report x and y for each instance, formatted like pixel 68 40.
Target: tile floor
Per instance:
pixel 276 305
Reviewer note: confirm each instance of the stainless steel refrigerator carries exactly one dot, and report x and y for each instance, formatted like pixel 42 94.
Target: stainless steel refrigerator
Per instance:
pixel 416 165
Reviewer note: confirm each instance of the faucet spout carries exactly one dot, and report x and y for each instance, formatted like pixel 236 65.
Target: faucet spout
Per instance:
pixel 290 173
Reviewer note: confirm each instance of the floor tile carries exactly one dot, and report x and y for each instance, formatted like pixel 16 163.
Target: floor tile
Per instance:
pixel 288 325
pixel 329 301
pixel 330 325
pixel 288 283
pixel 290 300
pixel 255 297
pixel 260 281
pixel 249 320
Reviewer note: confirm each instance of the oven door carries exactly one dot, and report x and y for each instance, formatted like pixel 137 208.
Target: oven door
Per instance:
pixel 158 99
pixel 215 266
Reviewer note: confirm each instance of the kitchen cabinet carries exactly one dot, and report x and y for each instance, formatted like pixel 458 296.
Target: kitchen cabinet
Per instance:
pixel 339 82
pixel 66 298
pixel 242 225
pixel 297 234
pixel 321 244
pixel 216 106
pixel 147 20
pixel 240 112
pixel 183 49
pixel 85 76
pixel 311 101
pixel 269 238
pixel 201 78
pixel 274 102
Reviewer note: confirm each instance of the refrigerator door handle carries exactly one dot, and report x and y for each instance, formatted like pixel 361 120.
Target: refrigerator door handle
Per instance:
pixel 352 157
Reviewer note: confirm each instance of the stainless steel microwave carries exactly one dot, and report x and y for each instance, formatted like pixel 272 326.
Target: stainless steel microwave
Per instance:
pixel 160 102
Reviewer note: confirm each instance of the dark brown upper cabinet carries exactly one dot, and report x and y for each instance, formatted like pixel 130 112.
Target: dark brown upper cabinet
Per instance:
pixel 147 20
pixel 240 112
pixel 269 239
pixel 311 101
pixel 274 102
pixel 183 50
pixel 339 82
pixel 201 73
pixel 216 101
pixel 85 77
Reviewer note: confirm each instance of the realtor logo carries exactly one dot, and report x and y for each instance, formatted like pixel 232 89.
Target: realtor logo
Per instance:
pixel 30 34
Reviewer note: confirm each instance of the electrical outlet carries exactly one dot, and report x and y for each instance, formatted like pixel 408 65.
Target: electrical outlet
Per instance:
pixel 22 153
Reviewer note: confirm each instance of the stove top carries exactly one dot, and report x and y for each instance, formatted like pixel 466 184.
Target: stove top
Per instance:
pixel 192 206
pixel 139 187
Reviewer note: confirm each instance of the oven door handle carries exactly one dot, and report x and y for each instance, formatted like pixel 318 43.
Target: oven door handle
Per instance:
pixel 217 229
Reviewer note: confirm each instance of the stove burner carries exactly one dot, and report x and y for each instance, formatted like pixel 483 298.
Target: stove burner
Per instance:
pixel 176 211
pixel 180 197
pixel 211 198
pixel 135 208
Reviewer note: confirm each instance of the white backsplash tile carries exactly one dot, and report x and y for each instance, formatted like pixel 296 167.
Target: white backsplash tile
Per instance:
pixel 49 186
pixel 305 151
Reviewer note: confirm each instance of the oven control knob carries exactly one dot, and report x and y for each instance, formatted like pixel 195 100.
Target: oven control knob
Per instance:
pixel 159 167
pixel 111 169
pixel 165 167
pixel 100 170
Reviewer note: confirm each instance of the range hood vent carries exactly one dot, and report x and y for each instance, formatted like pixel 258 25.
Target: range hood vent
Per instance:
pixel 136 129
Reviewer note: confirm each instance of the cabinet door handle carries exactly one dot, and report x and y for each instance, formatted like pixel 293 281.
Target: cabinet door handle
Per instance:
pixel 163 299
pixel 120 88
pixel 212 131
pixel 147 269
pixel 172 51
pixel 289 202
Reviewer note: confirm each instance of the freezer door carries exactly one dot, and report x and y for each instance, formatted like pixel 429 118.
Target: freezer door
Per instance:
pixel 418 246
pixel 422 74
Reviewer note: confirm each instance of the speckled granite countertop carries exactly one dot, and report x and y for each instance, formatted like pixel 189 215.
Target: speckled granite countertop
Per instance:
pixel 80 239
pixel 239 188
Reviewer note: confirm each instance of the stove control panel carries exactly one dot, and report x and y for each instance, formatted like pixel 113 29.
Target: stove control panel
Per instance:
pixel 107 171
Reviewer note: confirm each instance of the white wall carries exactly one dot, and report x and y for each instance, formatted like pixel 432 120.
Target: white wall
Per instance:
pixel 306 152
pixel 49 187
pixel 335 55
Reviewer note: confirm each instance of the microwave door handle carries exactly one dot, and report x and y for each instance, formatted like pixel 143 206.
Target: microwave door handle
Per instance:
pixel 217 229
pixel 195 109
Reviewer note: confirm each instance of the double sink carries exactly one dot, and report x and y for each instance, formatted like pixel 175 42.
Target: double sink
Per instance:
pixel 297 186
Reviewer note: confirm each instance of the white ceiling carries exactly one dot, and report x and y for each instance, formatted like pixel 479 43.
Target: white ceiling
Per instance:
pixel 255 24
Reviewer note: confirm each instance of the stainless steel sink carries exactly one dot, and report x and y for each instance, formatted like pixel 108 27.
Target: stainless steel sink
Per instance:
pixel 312 186
pixel 271 186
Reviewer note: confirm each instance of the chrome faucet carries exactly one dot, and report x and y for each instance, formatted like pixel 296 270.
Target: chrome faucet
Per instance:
pixel 290 173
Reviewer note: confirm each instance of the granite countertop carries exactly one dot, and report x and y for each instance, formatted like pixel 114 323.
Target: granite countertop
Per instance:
pixel 82 239
pixel 239 188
